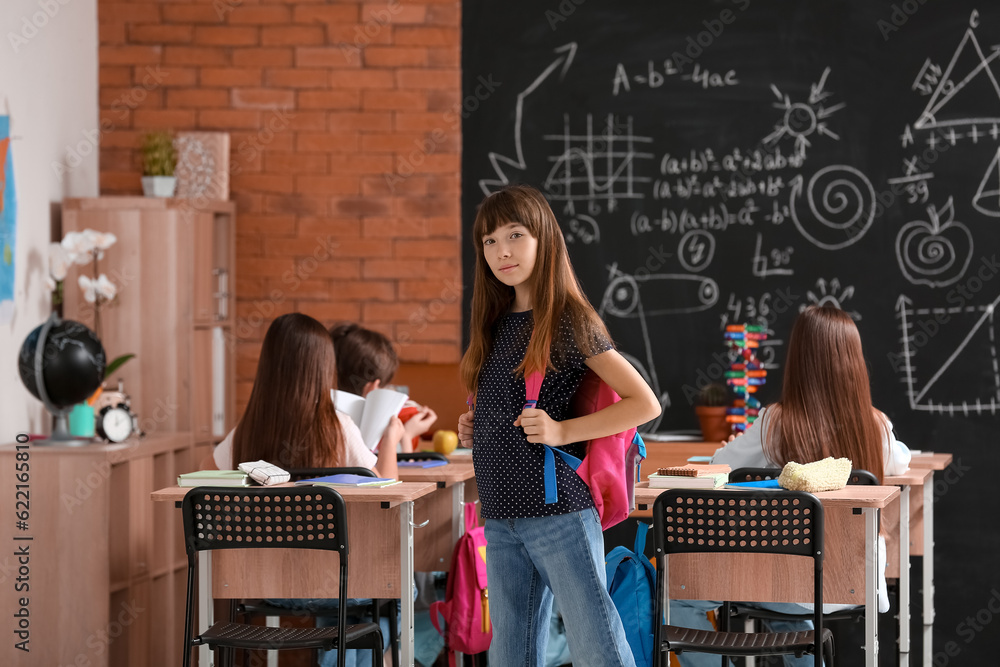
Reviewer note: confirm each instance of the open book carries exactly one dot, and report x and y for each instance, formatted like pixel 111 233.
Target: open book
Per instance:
pixel 371 413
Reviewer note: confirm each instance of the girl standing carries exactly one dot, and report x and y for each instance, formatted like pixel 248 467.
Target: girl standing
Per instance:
pixel 825 410
pixel 529 314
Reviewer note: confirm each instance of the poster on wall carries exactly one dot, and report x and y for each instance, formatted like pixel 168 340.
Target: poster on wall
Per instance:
pixel 8 223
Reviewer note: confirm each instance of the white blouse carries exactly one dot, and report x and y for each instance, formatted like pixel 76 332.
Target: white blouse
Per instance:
pixel 356 454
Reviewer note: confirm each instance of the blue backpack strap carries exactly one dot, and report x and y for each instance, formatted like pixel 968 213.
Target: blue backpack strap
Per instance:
pixel 642 445
pixel 532 385
pixel 640 538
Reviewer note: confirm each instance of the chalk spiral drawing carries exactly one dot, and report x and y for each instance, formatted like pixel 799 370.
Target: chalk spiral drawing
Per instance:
pixel 841 206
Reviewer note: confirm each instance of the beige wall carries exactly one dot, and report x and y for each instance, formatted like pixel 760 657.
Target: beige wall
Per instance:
pixel 48 85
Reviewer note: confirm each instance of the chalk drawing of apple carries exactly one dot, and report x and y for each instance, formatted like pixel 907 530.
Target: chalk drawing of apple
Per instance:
pixel 935 252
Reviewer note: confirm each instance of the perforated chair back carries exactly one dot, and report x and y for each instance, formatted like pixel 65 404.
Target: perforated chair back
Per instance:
pixel 297 474
pixel 859 476
pixel 308 517
pixel 758 521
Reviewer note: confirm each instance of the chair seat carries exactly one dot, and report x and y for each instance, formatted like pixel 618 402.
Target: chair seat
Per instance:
pixel 242 635
pixel 741 643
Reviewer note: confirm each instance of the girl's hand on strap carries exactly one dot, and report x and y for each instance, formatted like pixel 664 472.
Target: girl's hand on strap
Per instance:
pixel 465 429
pixel 540 428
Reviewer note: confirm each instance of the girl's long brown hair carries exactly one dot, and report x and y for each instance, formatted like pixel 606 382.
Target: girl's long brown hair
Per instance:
pixel 555 289
pixel 290 420
pixel 826 406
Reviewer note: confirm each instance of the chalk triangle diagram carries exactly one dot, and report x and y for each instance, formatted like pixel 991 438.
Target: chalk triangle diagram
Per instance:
pixel 956 366
pixel 969 90
pixel 987 197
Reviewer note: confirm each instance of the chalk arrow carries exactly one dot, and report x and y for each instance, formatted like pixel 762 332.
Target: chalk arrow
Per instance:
pixel 566 54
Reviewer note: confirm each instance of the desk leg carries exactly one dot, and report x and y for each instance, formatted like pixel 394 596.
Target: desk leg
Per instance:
pixel 904 576
pixel 871 586
pixel 457 529
pixel 206 609
pixel 928 574
pixel 406 583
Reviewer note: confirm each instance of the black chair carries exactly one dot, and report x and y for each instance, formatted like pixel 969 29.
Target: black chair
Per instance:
pixel 421 456
pixel 858 476
pixel 250 608
pixel 758 521
pixel 734 611
pixel 270 518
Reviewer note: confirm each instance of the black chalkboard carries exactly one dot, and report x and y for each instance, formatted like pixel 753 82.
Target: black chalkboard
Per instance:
pixel 735 161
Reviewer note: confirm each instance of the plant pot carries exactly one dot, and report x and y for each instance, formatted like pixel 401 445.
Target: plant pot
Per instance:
pixel 714 427
pixel 159 186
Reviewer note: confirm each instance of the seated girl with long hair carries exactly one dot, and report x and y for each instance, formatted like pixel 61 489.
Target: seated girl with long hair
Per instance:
pixel 290 421
pixel 825 410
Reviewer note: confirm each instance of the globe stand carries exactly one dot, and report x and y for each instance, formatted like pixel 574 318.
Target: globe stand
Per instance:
pixel 60 429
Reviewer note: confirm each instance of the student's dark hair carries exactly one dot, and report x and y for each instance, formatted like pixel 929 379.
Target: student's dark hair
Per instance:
pixel 826 405
pixel 556 292
pixel 290 420
pixel 363 356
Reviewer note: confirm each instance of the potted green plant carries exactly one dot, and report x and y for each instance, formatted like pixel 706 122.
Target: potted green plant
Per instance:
pixel 710 406
pixel 158 161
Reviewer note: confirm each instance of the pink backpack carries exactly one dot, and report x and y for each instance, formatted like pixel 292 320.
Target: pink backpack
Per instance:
pixel 611 465
pixel 466 607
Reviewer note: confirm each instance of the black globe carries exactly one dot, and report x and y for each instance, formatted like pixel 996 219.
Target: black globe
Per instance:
pixel 73 363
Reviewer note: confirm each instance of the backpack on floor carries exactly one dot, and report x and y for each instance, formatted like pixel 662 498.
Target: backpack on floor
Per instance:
pixel 611 465
pixel 466 607
pixel 632 585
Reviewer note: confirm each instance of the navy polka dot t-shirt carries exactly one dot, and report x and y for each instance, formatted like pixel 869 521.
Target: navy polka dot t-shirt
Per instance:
pixel 509 469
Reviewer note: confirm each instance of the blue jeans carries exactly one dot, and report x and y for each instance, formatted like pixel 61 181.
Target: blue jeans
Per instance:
pixel 691 614
pixel 326 612
pixel 530 560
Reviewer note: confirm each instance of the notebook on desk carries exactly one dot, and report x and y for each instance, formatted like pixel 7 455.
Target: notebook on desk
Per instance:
pixel 427 463
pixel 345 479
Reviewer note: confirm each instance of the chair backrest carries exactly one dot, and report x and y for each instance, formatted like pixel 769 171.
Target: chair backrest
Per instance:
pixel 758 521
pixel 421 456
pixel 858 476
pixel 307 517
pixel 296 474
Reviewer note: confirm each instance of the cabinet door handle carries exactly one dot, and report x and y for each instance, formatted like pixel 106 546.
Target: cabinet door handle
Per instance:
pixel 222 295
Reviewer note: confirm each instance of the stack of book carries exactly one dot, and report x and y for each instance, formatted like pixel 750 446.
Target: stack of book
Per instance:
pixel 347 480
pixel 214 478
pixel 691 476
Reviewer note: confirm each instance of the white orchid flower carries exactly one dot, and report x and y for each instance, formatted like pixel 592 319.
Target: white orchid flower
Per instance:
pixel 59 261
pixel 79 246
pixel 102 287
pixel 89 288
pixel 106 288
pixel 103 240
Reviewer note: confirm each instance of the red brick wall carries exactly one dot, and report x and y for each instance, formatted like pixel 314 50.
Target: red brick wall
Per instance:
pixel 345 151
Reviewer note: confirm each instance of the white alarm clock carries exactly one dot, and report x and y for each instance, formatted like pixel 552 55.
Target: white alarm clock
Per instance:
pixel 115 423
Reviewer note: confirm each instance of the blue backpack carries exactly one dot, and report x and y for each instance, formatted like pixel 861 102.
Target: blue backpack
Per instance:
pixel 632 584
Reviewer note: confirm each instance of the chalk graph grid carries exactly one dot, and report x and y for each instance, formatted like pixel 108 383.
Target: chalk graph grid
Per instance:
pixel 592 168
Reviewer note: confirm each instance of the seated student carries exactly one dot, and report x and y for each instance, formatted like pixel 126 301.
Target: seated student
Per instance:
pixel 290 421
pixel 825 410
pixel 366 360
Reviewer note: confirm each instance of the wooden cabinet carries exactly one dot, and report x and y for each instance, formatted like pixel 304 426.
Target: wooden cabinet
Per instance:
pixel 107 572
pixel 175 309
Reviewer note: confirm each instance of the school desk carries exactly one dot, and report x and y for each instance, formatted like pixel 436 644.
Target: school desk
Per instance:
pixel 923 541
pixel 849 565
pixel 911 485
pixel 442 510
pixel 380 526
